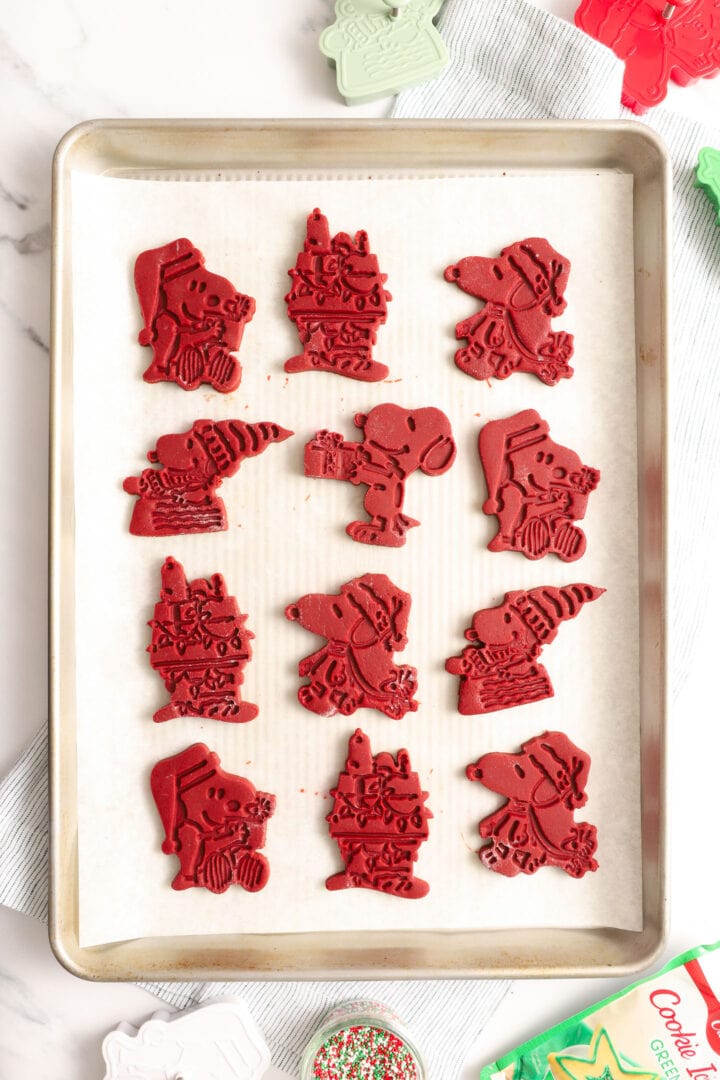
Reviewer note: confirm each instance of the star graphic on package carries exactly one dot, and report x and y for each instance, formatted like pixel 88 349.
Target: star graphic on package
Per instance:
pixel 603 1063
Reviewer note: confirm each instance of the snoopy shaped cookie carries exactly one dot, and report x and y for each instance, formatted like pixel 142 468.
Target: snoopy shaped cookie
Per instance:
pixel 194 319
pixel 500 667
pixel 536 827
pixel 536 488
pixel 523 290
pixel 180 495
pixel 395 443
pixel 364 624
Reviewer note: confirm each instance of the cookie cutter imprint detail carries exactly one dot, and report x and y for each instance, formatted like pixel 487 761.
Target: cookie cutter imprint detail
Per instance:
pixel 379 820
pixel 536 488
pixel 682 45
pixel 180 496
pixel 375 54
pixel 218 1040
pixel 365 623
pixel 194 319
pixel 214 822
pixel 199 647
pixel 543 785
pixel 395 443
pixel 523 290
pixel 708 176
pixel 337 301
pixel 499 668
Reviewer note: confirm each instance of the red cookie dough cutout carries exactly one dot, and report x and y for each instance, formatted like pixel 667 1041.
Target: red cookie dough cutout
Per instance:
pixel 194 320
pixel 536 487
pixel 364 625
pixel 337 301
pixel 379 820
pixel 395 443
pixel 199 647
pixel 214 822
pixel 499 668
pixel 536 827
pixel 179 497
pixel 523 290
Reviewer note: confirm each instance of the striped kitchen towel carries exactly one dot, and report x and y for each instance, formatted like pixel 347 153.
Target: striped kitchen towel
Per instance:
pixel 507 60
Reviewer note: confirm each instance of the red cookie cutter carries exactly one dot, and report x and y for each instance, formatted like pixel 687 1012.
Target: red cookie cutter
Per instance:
pixel 395 443
pixel 200 646
pixel 499 668
pixel 194 320
pixel 536 488
pixel 523 291
pixel 337 301
pixel 214 822
pixel 659 40
pixel 536 827
pixel 179 497
pixel 379 820
pixel 364 625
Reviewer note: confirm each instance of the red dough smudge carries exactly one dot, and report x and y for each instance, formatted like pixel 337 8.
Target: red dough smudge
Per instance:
pixel 337 302
pixel 194 320
pixel 536 827
pixel 200 646
pixel 379 820
pixel 499 668
pixel 684 48
pixel 214 822
pixel 395 443
pixel 364 625
pixel 536 487
pixel 179 496
pixel 523 291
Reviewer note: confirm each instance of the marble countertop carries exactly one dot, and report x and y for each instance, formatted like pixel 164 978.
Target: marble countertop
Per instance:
pixel 74 60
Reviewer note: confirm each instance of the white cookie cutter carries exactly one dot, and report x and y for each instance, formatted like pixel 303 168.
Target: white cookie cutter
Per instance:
pixel 218 1040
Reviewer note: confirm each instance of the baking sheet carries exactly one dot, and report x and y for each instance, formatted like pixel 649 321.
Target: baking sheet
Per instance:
pixel 251 231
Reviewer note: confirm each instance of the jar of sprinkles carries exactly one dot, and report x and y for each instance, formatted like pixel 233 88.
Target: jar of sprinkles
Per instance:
pixel 361 1040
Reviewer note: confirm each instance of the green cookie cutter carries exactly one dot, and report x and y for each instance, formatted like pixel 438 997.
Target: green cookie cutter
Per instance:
pixel 379 47
pixel 708 175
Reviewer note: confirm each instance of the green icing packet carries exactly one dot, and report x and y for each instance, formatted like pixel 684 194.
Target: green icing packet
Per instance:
pixel 663 1027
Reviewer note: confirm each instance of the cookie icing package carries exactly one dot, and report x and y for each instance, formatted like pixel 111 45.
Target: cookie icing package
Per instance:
pixel 664 1027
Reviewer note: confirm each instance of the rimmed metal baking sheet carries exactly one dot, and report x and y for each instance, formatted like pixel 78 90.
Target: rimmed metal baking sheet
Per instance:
pixel 152 149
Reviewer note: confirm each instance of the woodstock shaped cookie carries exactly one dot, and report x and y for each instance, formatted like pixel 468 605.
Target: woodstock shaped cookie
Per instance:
pixel 194 320
pixel 200 646
pixel 536 488
pixel 395 443
pixel 337 301
pixel 365 623
pixel 218 1040
pixel 499 668
pixel 379 819
pixel 536 827
pixel 179 496
pixel 523 290
pixel 214 822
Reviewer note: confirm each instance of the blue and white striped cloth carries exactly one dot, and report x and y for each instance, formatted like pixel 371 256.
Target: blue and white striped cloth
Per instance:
pixel 508 60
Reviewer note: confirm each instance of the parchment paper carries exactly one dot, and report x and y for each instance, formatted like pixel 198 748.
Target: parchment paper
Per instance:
pixel 286 537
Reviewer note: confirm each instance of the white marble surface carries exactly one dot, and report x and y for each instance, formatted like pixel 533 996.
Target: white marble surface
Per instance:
pixel 73 60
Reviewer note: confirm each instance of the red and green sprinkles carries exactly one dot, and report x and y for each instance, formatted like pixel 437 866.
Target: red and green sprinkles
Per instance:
pixel 364 1053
